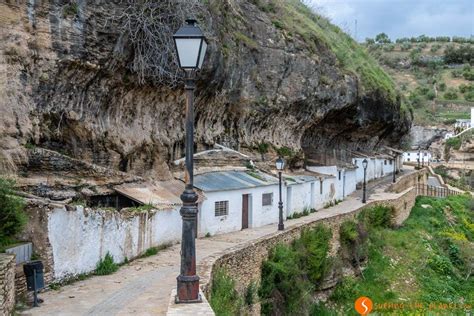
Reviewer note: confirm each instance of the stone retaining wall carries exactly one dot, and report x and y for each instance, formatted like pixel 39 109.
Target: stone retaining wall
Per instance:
pixel 243 263
pixel 7 283
pixel 406 181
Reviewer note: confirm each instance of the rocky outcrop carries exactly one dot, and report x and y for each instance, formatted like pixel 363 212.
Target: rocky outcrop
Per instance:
pixel 423 137
pixel 66 85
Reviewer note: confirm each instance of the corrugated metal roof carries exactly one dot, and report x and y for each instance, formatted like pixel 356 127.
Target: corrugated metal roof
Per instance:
pixel 292 179
pixel 162 195
pixel 232 180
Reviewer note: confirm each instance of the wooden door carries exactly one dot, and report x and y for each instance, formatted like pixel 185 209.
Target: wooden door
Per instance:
pixel 245 211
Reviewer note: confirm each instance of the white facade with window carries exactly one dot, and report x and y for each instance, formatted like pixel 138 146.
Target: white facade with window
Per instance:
pixel 223 210
pixel 413 155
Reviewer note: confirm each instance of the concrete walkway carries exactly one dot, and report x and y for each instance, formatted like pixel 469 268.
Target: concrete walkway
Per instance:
pixel 143 287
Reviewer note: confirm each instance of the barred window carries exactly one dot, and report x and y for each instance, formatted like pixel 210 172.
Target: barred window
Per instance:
pixel 267 199
pixel 221 208
pixel 391 161
pixel 385 162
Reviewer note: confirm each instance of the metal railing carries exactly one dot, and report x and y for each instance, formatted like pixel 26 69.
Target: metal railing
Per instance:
pixel 429 190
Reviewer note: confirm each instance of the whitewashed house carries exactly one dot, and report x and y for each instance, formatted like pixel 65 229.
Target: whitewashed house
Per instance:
pixel 308 190
pixel 412 156
pixel 236 200
pixel 300 193
pixel 344 181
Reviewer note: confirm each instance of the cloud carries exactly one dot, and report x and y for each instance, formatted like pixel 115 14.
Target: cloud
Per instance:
pixel 400 18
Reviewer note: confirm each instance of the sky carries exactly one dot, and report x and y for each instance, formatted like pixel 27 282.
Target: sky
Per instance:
pixel 400 18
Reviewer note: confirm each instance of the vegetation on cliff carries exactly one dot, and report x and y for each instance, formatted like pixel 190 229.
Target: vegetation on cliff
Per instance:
pixel 12 217
pixel 427 261
pixel 296 19
pixel 434 75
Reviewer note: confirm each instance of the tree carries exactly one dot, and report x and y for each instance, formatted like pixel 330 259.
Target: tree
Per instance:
pixel 12 216
pixel 382 38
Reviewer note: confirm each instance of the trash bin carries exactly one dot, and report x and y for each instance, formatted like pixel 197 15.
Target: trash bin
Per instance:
pixel 34 278
pixel 34 275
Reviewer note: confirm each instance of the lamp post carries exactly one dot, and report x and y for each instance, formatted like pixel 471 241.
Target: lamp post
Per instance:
pixel 394 169
pixel 365 163
pixel 280 165
pixel 190 45
pixel 423 159
pixel 419 158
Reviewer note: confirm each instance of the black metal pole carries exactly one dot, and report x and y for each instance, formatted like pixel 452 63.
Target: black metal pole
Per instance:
pixel 364 197
pixel 188 281
pixel 419 158
pixel 281 226
pixel 394 169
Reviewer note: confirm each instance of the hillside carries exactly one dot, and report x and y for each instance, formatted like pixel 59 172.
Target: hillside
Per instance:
pixel 427 260
pixel 423 267
pixel 99 82
pixel 435 75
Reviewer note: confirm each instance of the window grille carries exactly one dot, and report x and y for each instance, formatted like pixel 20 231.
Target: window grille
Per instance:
pixel 221 208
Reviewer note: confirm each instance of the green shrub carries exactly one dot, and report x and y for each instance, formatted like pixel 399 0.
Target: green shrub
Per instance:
pixel 283 287
pixel 224 298
pixel 150 252
pixel 312 248
pixel 442 86
pixel 378 216
pixel 106 265
pixel 291 273
pixel 454 142
pixel 348 232
pixel 12 215
pixel 450 94
pixel 440 264
pixel 251 294
pixel 469 96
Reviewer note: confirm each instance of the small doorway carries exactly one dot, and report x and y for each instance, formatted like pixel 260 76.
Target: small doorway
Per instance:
pixel 245 211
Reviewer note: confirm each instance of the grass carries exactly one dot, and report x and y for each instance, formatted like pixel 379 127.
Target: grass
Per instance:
pixel 292 273
pixel 428 260
pixel 106 265
pixel 154 250
pixel 224 298
pixel 315 30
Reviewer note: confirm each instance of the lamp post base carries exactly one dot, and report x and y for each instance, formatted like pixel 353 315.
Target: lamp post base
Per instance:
pixel 281 227
pixel 188 289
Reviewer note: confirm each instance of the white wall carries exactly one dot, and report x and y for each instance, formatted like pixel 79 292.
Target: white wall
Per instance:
pixel 258 215
pixel 351 181
pixel 301 197
pixel 80 238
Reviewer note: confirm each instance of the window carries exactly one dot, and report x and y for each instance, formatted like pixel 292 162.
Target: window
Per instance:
pixel 408 154
pixel 385 162
pixel 321 186
pixel 391 162
pixel 221 208
pixel 339 175
pixel 408 159
pixel 267 199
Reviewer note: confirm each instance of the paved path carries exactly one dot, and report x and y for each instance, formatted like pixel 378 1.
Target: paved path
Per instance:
pixel 143 287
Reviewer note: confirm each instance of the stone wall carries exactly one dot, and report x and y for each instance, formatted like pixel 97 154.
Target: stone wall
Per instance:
pixel 243 263
pixel 36 231
pixel 7 283
pixel 70 240
pixel 410 180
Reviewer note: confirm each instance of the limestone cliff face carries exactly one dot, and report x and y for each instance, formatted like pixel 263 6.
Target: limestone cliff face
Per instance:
pixel 62 87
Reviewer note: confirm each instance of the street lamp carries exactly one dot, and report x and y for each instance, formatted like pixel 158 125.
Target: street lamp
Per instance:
pixel 190 45
pixel 365 163
pixel 423 159
pixel 394 168
pixel 280 164
pixel 419 157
